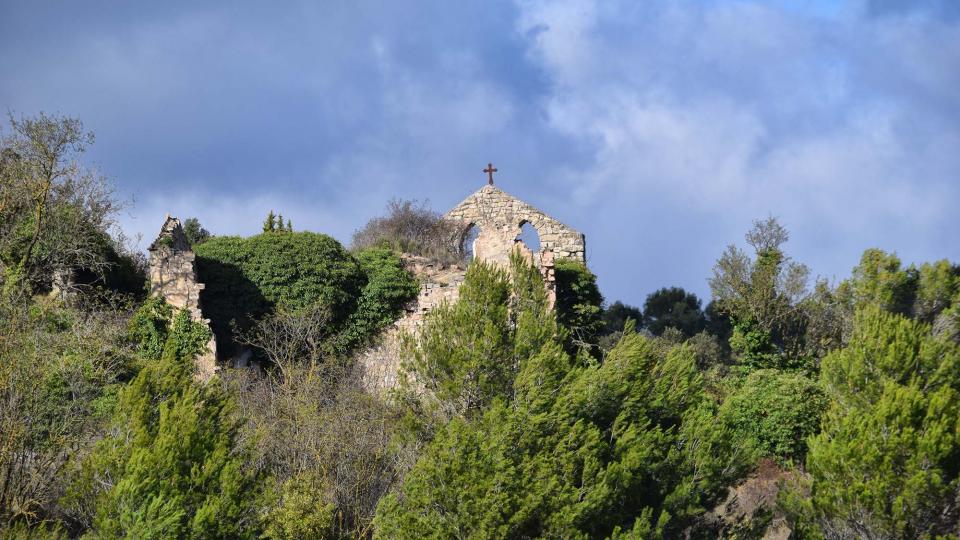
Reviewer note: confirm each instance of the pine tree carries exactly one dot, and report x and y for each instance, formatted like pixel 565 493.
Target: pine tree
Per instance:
pixel 289 226
pixel 885 464
pixel 280 226
pixel 176 467
pixel 270 224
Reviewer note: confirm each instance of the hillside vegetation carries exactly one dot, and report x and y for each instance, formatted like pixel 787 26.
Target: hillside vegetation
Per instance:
pixel 511 420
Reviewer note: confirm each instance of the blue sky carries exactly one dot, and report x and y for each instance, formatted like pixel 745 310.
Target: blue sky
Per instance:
pixel 659 129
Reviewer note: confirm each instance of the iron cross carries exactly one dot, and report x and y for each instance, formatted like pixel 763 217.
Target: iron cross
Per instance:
pixel 490 170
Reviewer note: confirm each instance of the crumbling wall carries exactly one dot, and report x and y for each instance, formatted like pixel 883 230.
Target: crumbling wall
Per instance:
pixel 499 217
pixel 381 362
pixel 173 275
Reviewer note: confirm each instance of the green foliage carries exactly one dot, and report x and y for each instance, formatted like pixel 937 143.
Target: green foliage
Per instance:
pixel 585 451
pixel 463 355
pixel 175 465
pixel 148 328
pixel 246 277
pixel 752 347
pixel 270 224
pixel 778 410
pixel 54 213
pixel 59 368
pixel 763 296
pixel 301 512
pixel 388 289
pixel 579 302
pixel 879 280
pixel 195 232
pixel 887 462
pixel 615 316
pixel 673 308
pixel 938 287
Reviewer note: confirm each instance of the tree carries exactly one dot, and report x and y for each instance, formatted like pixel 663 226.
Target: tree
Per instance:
pixel 673 308
pixel 59 369
pixel 617 314
pixel 463 355
pixel 763 296
pixel 412 227
pixel 626 447
pixel 172 466
pixel 938 287
pixel 54 212
pixel 879 280
pixel 270 224
pixel 885 464
pixel 579 302
pixel 195 232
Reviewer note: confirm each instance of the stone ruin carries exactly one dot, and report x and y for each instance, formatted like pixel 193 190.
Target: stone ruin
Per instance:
pixel 492 220
pixel 495 219
pixel 173 274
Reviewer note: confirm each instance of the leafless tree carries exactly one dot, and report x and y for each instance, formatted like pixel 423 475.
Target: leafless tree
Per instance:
pixel 412 227
pixel 291 338
pixel 50 378
pixel 321 424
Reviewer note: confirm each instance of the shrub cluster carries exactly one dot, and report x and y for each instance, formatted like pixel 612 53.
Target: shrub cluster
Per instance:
pixel 247 278
pixel 412 227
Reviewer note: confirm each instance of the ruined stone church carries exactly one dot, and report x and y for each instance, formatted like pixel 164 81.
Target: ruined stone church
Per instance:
pixel 492 220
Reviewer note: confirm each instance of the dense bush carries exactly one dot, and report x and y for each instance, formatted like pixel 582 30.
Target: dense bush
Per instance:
pixel 175 468
pixel 887 462
pixel 246 277
pixel 777 410
pixel 148 328
pixel 388 289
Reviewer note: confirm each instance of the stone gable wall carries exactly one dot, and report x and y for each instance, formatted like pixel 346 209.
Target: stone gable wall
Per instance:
pixel 499 216
pixel 173 275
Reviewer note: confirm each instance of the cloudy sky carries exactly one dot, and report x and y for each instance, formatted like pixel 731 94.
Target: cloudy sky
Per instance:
pixel 659 129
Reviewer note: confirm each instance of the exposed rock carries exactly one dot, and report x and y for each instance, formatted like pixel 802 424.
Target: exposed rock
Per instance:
pixel 750 509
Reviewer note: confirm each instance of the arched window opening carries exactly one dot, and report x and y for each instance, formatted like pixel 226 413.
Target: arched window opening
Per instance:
pixel 529 237
pixel 469 240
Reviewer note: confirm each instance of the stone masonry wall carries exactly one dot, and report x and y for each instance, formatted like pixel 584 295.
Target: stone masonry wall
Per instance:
pixel 499 216
pixel 381 362
pixel 173 275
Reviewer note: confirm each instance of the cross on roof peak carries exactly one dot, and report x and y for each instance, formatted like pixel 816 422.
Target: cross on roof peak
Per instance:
pixel 490 170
